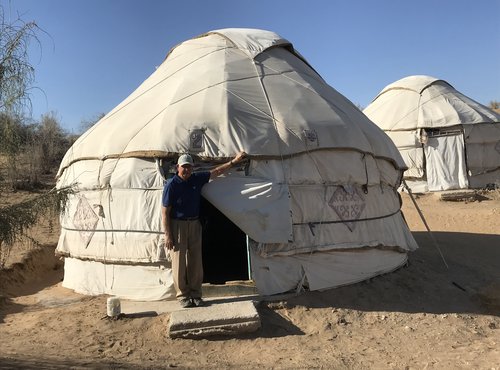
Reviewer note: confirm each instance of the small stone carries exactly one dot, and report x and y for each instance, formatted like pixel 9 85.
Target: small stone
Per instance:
pixel 342 321
pixel 333 337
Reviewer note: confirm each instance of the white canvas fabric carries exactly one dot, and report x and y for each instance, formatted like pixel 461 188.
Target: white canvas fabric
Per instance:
pixel 483 148
pixel 318 270
pixel 260 206
pixel 321 176
pixel 411 150
pixel 146 283
pixel 227 89
pixel 445 163
pixel 425 102
pixel 416 106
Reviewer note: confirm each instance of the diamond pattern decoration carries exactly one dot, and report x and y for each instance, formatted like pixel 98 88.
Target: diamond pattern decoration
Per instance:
pixel 348 203
pixel 85 219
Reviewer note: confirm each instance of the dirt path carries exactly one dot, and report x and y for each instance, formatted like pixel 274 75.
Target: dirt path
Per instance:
pixel 422 316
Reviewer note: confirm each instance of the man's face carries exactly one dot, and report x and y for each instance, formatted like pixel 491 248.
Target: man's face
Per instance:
pixel 185 171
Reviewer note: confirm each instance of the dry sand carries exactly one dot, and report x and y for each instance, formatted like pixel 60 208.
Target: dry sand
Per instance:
pixel 423 316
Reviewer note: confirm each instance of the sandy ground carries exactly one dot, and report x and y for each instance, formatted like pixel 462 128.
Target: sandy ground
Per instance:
pixel 423 316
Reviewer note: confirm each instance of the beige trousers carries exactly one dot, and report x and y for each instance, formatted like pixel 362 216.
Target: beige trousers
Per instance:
pixel 187 264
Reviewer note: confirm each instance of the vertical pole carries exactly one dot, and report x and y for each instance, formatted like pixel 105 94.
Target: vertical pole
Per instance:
pixel 248 260
pixel 425 222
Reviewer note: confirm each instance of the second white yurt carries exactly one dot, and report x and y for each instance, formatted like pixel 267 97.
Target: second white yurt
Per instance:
pixel 447 140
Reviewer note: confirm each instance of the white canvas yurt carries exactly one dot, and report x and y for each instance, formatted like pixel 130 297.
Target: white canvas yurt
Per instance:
pixel 314 207
pixel 447 140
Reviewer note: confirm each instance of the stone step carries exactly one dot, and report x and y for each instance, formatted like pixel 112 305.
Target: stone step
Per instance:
pixel 230 289
pixel 214 319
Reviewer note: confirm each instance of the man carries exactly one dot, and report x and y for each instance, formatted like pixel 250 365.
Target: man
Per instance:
pixel 180 212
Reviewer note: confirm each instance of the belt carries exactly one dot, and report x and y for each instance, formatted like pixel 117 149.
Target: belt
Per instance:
pixel 186 219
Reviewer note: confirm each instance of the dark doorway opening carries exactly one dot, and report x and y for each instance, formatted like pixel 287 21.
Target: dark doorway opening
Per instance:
pixel 224 247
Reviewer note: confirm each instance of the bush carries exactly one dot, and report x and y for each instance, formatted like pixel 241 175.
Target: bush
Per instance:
pixel 17 219
pixel 32 150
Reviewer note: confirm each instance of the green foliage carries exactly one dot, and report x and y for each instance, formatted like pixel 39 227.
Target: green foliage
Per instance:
pixel 11 141
pixel 31 150
pixel 11 134
pixel 50 143
pixel 17 219
pixel 16 72
pixel 16 78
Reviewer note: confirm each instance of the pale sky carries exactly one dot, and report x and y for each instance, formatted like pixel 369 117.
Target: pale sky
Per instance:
pixel 96 52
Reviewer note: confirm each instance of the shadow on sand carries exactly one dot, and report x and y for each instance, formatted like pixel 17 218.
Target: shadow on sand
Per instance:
pixel 470 283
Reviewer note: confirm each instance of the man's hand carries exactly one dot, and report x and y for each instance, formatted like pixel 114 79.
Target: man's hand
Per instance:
pixel 239 157
pixel 165 220
pixel 226 166
pixel 169 244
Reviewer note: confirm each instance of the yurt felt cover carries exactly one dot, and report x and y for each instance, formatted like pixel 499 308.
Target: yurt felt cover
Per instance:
pixel 425 102
pixel 321 176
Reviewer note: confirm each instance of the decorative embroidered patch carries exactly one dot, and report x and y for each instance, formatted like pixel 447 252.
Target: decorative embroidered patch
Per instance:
pixel 348 203
pixel 311 137
pixel 196 139
pixel 85 219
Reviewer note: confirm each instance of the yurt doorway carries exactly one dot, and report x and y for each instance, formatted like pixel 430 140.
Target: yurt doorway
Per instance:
pixel 224 247
pixel 445 160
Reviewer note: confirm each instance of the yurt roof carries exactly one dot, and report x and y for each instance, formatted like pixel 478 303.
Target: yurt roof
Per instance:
pixel 416 84
pixel 243 89
pixel 425 102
